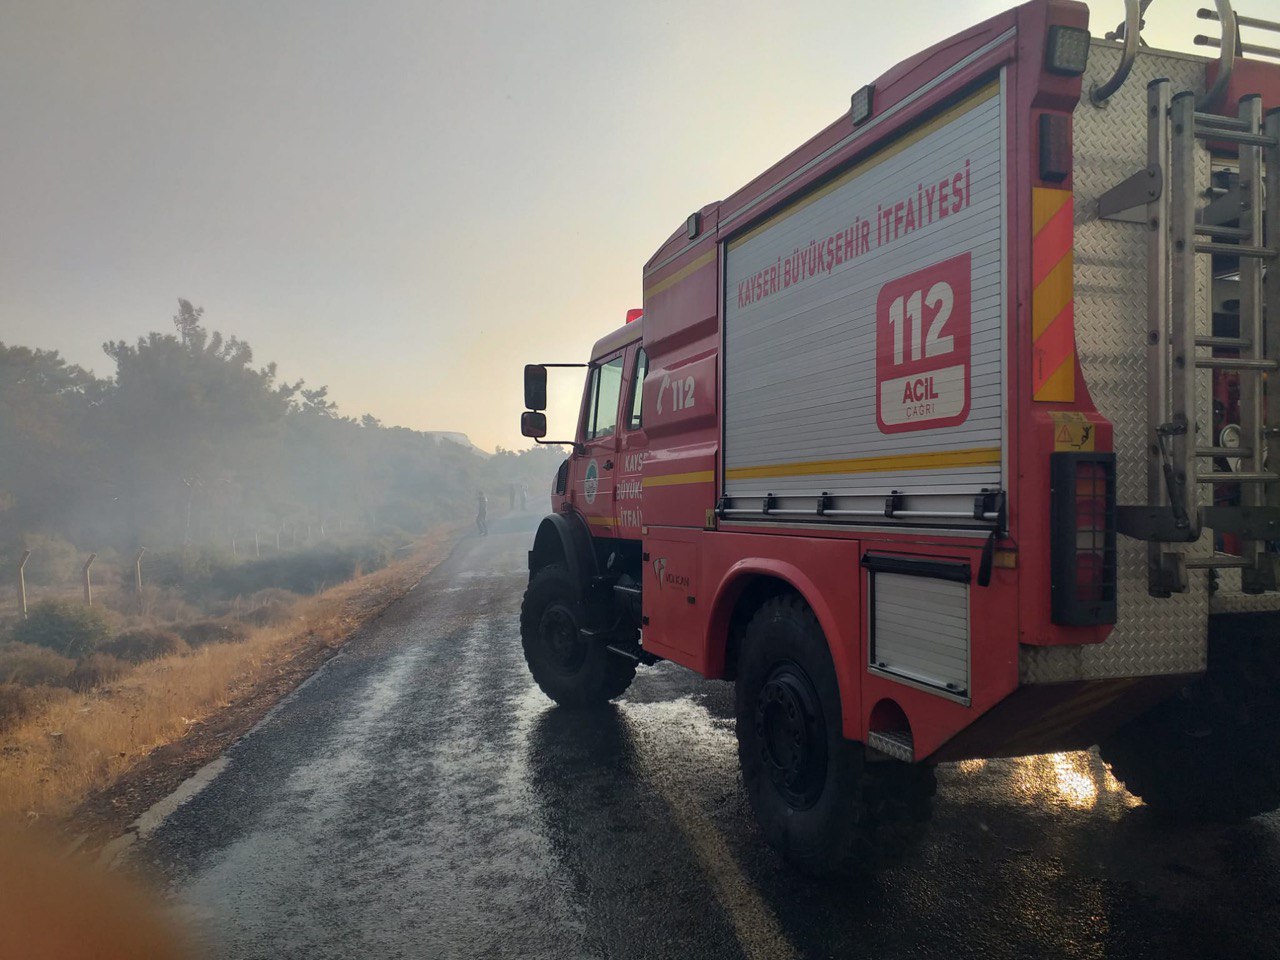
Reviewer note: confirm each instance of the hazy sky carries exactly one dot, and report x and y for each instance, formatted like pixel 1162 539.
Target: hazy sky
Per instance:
pixel 406 201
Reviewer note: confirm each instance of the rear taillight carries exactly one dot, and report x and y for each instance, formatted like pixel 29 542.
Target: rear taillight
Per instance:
pixel 1083 538
pixel 1055 147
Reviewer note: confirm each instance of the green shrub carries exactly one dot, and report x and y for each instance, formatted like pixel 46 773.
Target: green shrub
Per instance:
pixel 31 666
pixel 145 643
pixel 212 631
pixel 95 670
pixel 70 629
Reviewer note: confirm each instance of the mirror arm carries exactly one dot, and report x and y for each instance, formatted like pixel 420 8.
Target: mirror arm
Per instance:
pixel 578 448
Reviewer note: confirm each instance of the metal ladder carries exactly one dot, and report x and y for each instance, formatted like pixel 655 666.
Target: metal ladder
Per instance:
pixel 1238 228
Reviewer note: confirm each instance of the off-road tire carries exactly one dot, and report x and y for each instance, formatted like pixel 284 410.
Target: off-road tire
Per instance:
pixel 841 814
pixel 573 670
pixel 1212 752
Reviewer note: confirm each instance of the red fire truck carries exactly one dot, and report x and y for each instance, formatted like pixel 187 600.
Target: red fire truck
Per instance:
pixel 946 437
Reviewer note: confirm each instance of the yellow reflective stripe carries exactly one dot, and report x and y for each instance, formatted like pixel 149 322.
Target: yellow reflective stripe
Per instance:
pixel 1061 384
pixel 933 460
pixel 680 274
pixel 1052 296
pixel 675 479
pixel 1052 301
pixel 1045 202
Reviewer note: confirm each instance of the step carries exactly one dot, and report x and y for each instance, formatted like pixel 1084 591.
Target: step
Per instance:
pixel 1236 250
pixel 1236 363
pixel 1225 343
pixel 1237 477
pixel 1244 453
pixel 898 744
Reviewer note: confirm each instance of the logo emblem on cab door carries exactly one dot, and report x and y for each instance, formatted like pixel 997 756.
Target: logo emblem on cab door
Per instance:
pixel 659 566
pixel 591 483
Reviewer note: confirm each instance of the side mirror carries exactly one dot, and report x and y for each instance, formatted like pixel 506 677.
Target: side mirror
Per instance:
pixel 535 389
pixel 533 424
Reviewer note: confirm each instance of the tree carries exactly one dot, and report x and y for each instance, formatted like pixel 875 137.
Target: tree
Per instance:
pixel 191 442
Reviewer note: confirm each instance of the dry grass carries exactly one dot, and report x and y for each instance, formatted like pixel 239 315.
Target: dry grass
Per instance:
pixel 50 762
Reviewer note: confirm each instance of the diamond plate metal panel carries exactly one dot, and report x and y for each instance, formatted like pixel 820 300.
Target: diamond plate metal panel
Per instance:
pixel 1151 636
pixel 1228 597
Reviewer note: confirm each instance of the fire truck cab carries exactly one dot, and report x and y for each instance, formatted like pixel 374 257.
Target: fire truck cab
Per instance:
pixel 945 437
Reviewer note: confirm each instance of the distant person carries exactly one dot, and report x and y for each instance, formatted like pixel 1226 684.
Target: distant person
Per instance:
pixel 524 497
pixel 482 514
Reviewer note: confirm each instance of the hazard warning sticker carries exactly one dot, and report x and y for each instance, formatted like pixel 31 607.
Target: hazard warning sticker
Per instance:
pixel 922 348
pixel 1072 431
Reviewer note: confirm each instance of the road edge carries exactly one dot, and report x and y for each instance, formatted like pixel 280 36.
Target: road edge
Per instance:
pixel 109 821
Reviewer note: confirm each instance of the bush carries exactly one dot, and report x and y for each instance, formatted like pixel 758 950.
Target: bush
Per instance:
pixel 212 631
pixel 18 702
pixel 54 562
pixel 158 603
pixel 307 571
pixel 145 643
pixel 190 566
pixel 70 629
pixel 96 670
pixel 31 666
pixel 268 607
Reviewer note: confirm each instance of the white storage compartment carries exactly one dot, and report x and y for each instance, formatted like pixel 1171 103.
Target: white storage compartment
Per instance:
pixel 919 620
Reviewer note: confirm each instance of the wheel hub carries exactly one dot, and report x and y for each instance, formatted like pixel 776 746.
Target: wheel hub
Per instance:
pixel 561 639
pixel 792 736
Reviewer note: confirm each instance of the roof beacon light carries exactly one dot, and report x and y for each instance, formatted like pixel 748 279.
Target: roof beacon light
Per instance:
pixel 1068 52
pixel 635 313
pixel 862 104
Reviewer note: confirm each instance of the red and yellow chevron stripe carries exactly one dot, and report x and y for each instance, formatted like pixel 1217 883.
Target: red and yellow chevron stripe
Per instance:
pixel 1053 328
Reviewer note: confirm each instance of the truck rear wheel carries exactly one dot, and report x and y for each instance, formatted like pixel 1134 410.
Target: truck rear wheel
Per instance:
pixel 1211 753
pixel 819 801
pixel 572 669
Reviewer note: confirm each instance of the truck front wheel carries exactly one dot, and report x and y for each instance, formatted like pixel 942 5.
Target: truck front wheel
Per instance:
pixel 819 800
pixel 572 669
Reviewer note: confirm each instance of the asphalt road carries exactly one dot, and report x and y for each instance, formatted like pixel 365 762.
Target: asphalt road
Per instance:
pixel 419 797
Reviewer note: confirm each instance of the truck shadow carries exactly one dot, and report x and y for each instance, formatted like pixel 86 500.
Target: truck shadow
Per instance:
pixel 636 882
pixel 1049 856
pixel 1041 856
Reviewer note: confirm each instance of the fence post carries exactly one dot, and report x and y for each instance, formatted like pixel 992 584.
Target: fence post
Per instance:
pixel 256 551
pixel 88 582
pixel 137 575
pixel 22 583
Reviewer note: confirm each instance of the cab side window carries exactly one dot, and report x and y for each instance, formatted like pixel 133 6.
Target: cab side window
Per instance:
pixel 637 388
pixel 606 388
